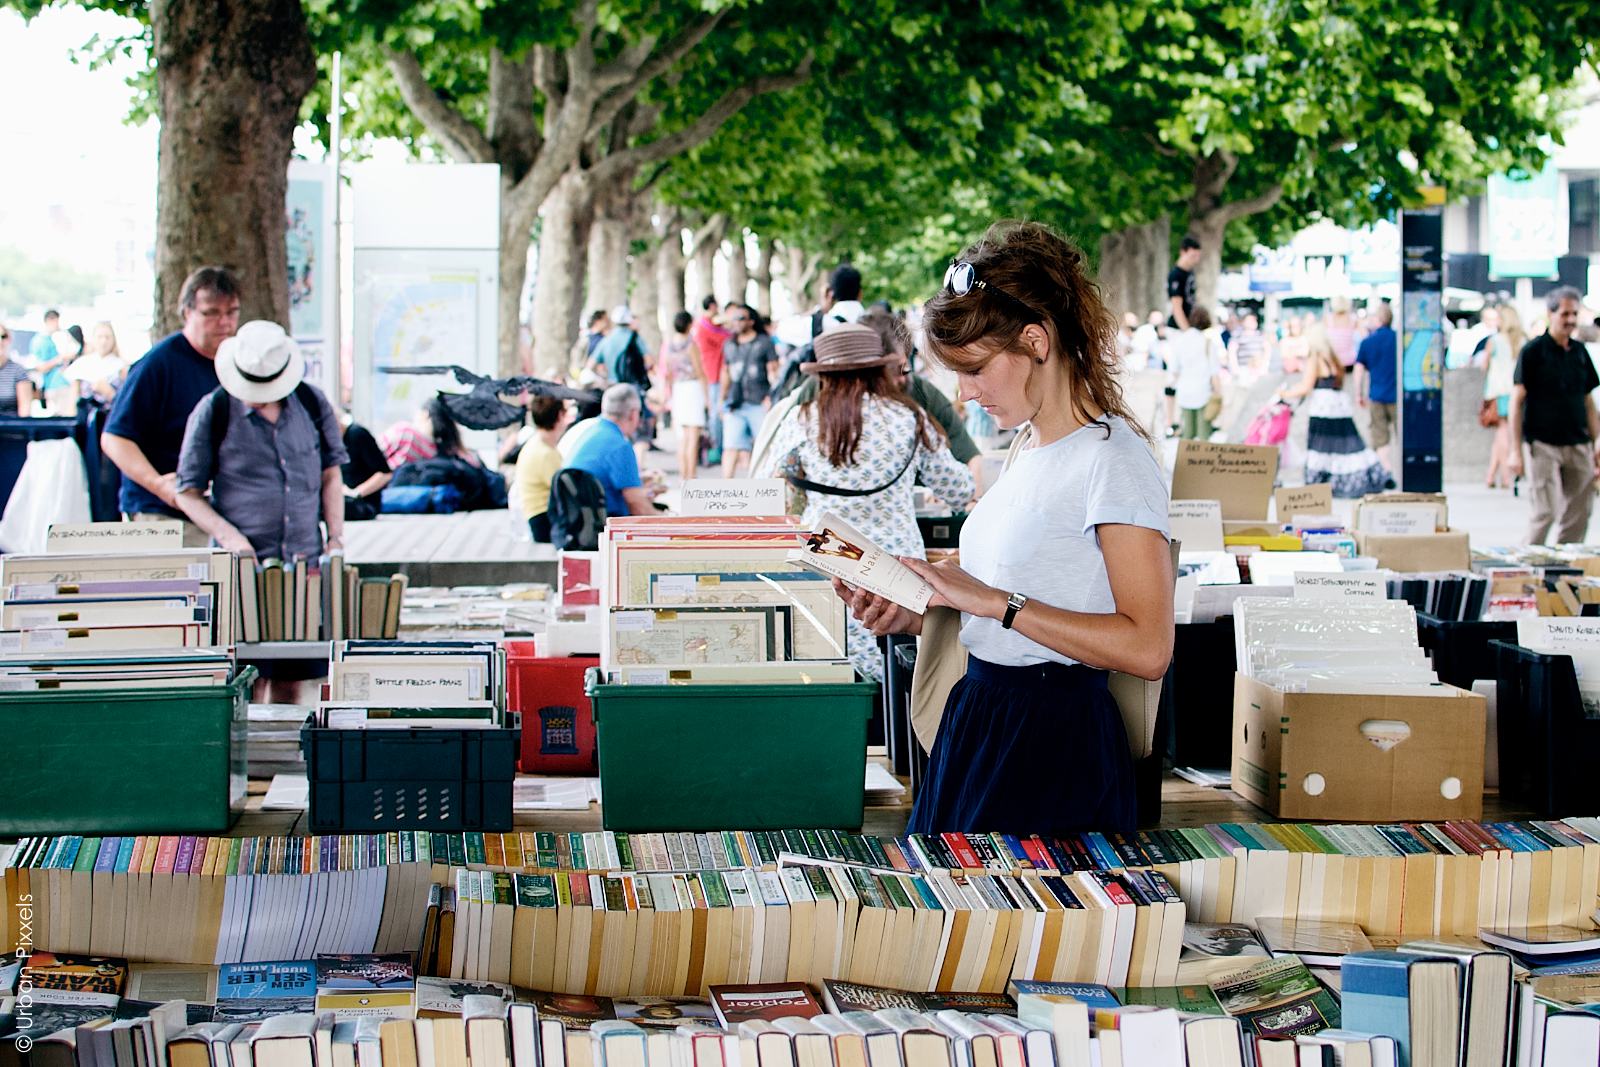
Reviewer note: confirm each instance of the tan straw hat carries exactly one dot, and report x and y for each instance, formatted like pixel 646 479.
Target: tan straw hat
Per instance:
pixel 848 347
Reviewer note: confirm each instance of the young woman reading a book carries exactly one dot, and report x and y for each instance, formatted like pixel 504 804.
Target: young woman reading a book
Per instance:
pixel 1065 572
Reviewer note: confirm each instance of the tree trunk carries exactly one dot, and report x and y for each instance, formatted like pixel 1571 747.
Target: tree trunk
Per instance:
pixel 642 292
pixel 1210 211
pixel 516 232
pixel 608 262
pixel 762 276
pixel 558 292
pixel 1133 266
pixel 702 257
pixel 230 78
pixel 801 271
pixel 670 272
pixel 738 268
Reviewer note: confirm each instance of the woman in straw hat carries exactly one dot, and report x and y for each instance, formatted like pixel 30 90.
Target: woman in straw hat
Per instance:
pixel 857 449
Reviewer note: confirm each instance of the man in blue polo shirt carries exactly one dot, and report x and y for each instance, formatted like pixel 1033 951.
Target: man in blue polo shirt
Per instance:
pixel 606 451
pixel 145 429
pixel 1376 357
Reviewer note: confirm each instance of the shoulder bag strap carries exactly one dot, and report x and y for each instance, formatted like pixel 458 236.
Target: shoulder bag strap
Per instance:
pixel 830 490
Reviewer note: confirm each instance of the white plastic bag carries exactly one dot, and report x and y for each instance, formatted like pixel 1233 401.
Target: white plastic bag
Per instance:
pixel 52 488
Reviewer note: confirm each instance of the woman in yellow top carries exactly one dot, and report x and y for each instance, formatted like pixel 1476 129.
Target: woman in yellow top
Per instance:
pixel 538 462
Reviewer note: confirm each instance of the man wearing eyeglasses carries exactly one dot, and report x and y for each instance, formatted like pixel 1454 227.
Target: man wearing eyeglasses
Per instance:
pixel 749 362
pixel 144 432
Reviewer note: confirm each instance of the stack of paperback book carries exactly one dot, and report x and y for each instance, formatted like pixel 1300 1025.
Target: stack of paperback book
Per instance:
pixel 315 600
pixel 409 684
pixel 695 600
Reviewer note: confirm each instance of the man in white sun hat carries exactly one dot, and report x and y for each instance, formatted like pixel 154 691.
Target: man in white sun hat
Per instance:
pixel 268 446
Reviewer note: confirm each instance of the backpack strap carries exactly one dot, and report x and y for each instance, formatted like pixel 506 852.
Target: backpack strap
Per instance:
pixel 221 415
pixel 222 412
pixel 830 490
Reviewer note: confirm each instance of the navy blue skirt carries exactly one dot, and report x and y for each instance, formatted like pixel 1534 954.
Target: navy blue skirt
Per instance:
pixel 1028 750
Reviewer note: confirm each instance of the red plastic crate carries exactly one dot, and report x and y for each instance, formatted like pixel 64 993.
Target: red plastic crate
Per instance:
pixel 557 718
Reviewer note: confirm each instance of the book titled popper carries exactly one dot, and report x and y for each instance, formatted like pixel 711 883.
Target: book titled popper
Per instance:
pixel 837 549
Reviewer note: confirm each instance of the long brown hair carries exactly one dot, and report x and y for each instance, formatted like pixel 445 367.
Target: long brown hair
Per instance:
pixel 1041 278
pixel 840 397
pixel 1320 351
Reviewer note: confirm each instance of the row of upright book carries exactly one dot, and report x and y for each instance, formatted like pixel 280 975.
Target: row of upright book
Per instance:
pixel 1426 1005
pixel 323 599
pixel 236 898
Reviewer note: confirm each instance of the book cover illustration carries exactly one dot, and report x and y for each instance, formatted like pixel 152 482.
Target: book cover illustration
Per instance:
pixel 90 976
pixel 664 1013
pixel 255 1009
pixel 1280 998
pixel 272 980
pixel 443 996
pixel 356 971
pixel 573 1010
pixel 1193 999
pixel 1202 940
pixel 735 1004
pixel 836 548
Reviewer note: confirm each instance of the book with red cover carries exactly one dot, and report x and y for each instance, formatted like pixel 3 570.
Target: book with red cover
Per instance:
pixel 735 1004
pixel 962 849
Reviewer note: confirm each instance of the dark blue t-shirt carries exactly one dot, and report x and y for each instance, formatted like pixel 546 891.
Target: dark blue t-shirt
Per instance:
pixel 1377 354
pixel 152 409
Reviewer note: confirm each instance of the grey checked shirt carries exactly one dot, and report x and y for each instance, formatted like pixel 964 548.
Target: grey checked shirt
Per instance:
pixel 265 478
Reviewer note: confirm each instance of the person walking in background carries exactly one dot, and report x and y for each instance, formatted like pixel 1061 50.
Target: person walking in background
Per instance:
pixel 1195 375
pixel 684 378
pixel 856 448
pixel 1335 452
pixel 1378 381
pixel 16 388
pixel 1499 380
pixel 749 361
pixel 1341 331
pixel 1293 347
pixel 100 370
pixel 1248 348
pixel 44 358
pixel 148 418
pixel 1180 302
pixel 709 337
pixel 538 463
pixel 625 361
pixel 60 391
pixel 1552 408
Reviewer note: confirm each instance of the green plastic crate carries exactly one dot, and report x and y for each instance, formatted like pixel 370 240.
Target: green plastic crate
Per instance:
pixel 711 757
pixel 128 761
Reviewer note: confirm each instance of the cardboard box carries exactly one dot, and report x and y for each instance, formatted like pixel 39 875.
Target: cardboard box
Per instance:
pixel 1410 554
pixel 1358 757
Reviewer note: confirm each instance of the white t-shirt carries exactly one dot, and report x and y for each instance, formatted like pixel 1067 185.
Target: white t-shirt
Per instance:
pixel 1034 531
pixel 1194 362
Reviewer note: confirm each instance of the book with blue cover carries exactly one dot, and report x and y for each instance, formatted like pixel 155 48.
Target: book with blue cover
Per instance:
pixel 1413 999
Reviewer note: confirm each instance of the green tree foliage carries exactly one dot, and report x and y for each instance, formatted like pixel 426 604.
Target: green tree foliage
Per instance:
pixel 27 283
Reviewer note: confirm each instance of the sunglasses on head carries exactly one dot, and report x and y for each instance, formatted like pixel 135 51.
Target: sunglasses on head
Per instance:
pixel 962 278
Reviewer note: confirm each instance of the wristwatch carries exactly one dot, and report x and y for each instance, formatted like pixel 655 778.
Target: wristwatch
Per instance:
pixel 1014 603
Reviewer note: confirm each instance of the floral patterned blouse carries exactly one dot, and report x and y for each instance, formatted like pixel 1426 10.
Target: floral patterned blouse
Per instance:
pixel 889 517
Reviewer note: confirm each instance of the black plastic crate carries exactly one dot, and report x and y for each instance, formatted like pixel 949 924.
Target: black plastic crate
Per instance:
pixel 1460 650
pixel 366 781
pixel 1548 746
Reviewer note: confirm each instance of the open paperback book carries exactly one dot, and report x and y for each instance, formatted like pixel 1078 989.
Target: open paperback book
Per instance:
pixel 837 549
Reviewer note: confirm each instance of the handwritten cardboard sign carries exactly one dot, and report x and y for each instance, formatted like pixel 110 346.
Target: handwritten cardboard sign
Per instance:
pixel 1365 585
pixel 76 539
pixel 1239 476
pixel 1303 500
pixel 1196 524
pixel 733 496
pixel 1399 520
